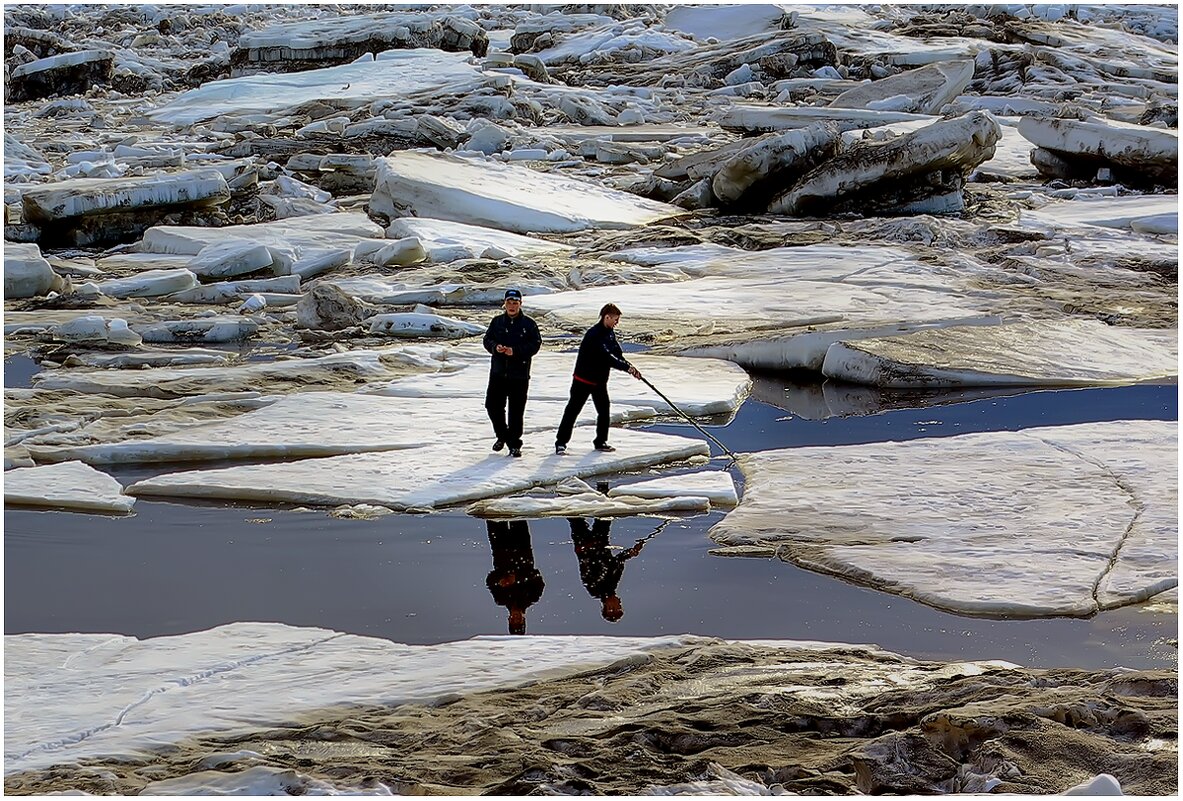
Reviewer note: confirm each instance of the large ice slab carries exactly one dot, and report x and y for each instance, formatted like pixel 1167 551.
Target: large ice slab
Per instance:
pixel 726 22
pixel 406 74
pixel 313 424
pixel 422 478
pixel 765 119
pixel 1041 522
pixel 1152 151
pixel 718 387
pixel 1046 353
pixel 504 196
pixel 70 485
pixel 289 237
pixel 73 696
pixel 1104 212
pixel 78 197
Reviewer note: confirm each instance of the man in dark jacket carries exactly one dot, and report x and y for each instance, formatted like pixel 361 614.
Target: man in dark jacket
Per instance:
pixel 512 340
pixel 514 581
pixel 598 354
pixel 599 569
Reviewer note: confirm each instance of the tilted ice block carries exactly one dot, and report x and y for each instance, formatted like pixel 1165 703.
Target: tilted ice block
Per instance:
pixel 1046 353
pixel 26 273
pixel 927 89
pixel 149 283
pixel 1041 522
pixel 85 196
pixel 70 485
pixel 1151 150
pixel 503 196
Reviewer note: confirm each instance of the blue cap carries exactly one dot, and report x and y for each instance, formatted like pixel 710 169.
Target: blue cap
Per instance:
pixel 513 294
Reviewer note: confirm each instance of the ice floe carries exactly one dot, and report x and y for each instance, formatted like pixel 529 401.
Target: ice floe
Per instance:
pixel 1052 353
pixel 1050 521
pixel 1084 146
pixel 421 479
pixel 503 196
pixel 70 485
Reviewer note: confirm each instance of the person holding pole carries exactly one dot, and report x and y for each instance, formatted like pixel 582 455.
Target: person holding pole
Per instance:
pixel 512 341
pixel 599 354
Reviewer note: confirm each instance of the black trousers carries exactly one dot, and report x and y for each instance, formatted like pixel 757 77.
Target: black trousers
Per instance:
pixel 503 390
pixel 580 392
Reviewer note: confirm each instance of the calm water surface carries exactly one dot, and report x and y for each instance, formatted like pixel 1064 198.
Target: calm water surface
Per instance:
pixel 175 568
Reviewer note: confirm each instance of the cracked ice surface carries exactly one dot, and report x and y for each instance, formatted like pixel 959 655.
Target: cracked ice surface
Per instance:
pixel 70 485
pixel 420 479
pixel 1004 523
pixel 71 696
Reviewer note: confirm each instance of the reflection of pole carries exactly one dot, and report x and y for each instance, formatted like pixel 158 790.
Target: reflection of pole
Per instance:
pixel 708 435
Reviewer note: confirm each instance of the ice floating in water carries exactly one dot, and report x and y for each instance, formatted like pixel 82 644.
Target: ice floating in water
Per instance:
pixel 1059 353
pixel 424 478
pixel 1064 520
pixel 70 485
pixel 504 196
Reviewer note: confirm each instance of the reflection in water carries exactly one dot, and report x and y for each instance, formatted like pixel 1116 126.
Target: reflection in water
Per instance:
pixel 514 581
pixel 599 569
pixel 812 398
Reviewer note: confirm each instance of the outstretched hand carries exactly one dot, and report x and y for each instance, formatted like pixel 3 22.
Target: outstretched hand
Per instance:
pixel 634 372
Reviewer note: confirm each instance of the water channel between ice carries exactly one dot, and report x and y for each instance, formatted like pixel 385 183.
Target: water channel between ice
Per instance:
pixel 421 579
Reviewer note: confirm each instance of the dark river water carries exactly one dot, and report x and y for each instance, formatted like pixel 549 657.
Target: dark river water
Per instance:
pixel 174 568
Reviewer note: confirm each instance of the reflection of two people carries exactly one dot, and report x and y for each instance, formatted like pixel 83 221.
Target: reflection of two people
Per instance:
pixel 516 584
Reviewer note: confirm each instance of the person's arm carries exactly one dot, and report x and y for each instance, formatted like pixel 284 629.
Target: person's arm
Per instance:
pixel 490 338
pixel 614 353
pixel 531 341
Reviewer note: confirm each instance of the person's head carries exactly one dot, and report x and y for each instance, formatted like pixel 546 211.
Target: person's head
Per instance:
pixel 612 610
pixel 513 302
pixel 610 315
pixel 517 620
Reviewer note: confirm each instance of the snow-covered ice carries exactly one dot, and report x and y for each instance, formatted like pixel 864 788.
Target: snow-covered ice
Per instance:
pixel 70 485
pixel 26 272
pixel 715 485
pixel 591 504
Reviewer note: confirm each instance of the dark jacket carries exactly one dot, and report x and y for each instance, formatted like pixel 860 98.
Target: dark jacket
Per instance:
pixel 513 561
pixel 598 353
pixel 519 333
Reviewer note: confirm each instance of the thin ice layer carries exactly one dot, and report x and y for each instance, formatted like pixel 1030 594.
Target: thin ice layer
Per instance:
pixel 430 477
pixel 1042 522
pixel 70 485
pixel 1046 353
